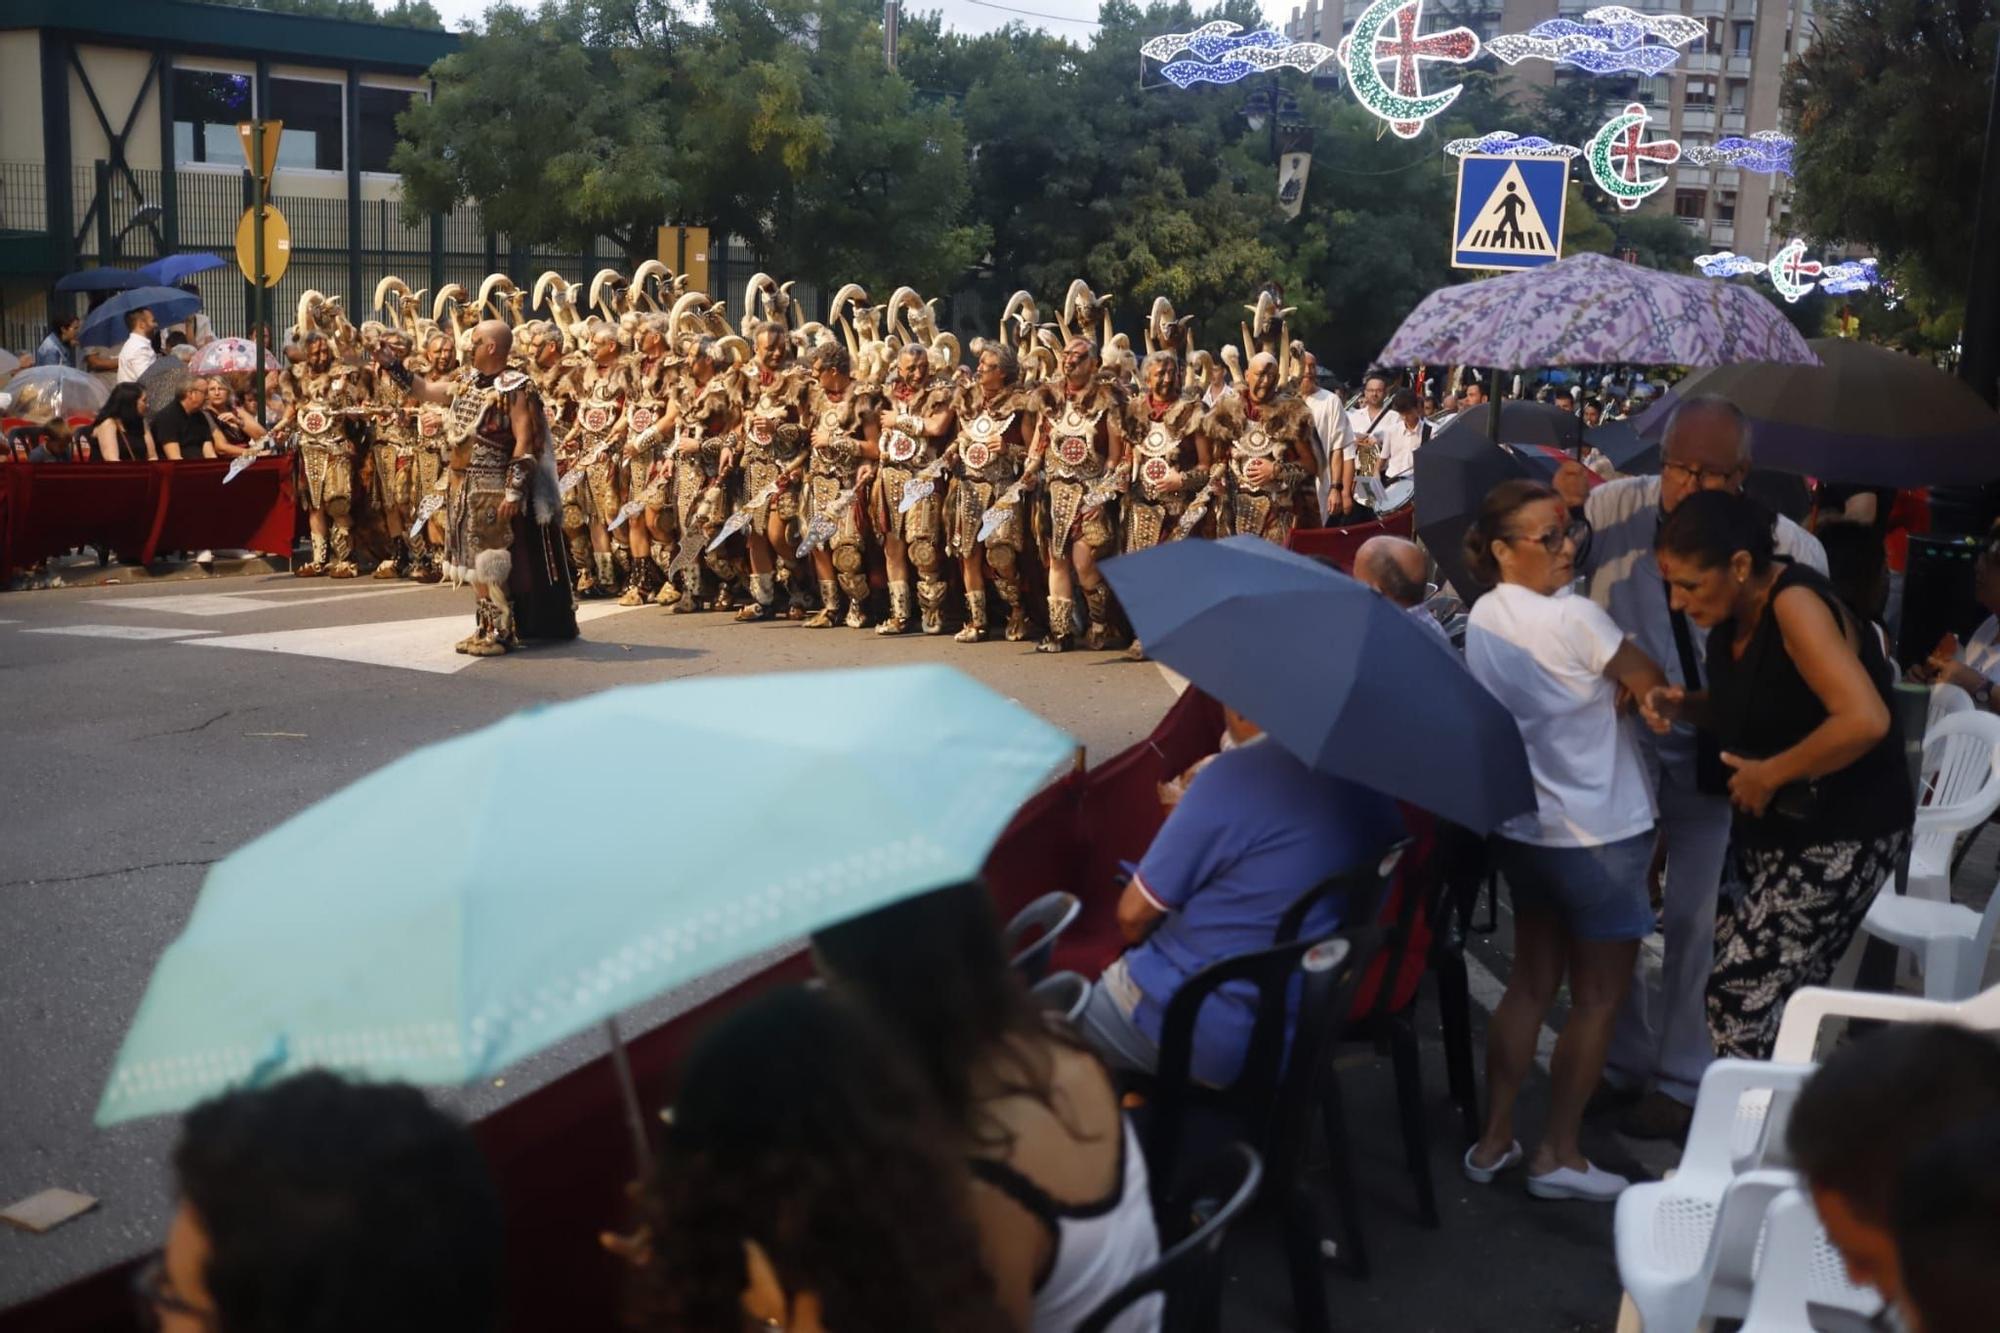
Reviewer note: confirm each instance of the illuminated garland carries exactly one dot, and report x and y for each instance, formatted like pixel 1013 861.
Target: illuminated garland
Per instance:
pixel 1616 151
pixel 1856 275
pixel 1610 39
pixel 1406 106
pixel 1505 143
pixel 1726 264
pixel 1766 151
pixel 1246 53
pixel 1788 266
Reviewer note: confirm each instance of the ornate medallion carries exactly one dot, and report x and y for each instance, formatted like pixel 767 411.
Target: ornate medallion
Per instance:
pixel 1073 449
pixel 429 424
pixel 899 448
pixel 1158 441
pixel 643 418
pixel 597 418
pixel 314 419
pixel 977 454
pixel 1155 470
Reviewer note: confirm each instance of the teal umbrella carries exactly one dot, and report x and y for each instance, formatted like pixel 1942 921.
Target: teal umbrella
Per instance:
pixel 486 923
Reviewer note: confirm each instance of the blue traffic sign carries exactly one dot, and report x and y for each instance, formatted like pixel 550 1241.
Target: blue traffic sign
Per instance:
pixel 1510 211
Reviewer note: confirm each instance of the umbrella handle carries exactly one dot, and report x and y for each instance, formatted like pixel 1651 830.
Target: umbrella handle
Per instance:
pixel 628 1091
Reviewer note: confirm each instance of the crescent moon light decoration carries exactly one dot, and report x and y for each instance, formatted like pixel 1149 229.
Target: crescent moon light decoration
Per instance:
pixel 1615 152
pixel 1404 107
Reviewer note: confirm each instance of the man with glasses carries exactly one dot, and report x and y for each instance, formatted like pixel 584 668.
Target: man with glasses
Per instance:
pixel 1662 1036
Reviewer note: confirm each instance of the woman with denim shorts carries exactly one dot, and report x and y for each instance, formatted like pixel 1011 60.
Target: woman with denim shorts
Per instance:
pixel 1576 866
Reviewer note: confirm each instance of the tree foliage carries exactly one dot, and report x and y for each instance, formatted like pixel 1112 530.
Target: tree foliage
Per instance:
pixel 397 13
pixel 1890 104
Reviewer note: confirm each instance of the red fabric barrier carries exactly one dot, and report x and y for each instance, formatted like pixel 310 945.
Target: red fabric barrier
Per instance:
pixel 143 509
pixel 1340 544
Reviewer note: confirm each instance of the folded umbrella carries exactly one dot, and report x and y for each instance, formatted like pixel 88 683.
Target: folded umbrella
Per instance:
pixel 1454 471
pixel 487 929
pixel 1866 415
pixel 1591 309
pixel 100 280
pixel 1530 423
pixel 174 268
pixel 105 326
pixel 1623 445
pixel 1335 673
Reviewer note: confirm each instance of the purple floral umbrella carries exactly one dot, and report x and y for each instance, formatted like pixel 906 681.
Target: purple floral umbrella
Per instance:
pixel 1591 309
pixel 231 356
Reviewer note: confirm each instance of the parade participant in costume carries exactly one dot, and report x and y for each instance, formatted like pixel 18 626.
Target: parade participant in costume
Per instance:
pixel 996 419
pixel 916 419
pixel 703 416
pixel 846 426
pixel 322 393
pixel 772 448
pixel 1269 436
pixel 588 457
pixel 505 507
pixel 1082 455
pixel 650 458
pixel 1173 482
pixel 405 470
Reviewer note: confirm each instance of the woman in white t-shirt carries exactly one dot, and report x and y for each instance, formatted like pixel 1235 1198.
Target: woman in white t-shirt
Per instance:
pixel 1576 867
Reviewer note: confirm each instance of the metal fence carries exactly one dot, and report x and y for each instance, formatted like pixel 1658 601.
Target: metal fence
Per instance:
pixel 446 248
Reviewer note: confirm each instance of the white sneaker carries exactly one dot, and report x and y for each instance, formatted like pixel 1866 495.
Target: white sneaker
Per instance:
pixel 1593 1185
pixel 205 558
pixel 1483 1175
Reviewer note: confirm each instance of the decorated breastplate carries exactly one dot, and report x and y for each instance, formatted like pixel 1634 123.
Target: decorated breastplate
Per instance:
pixel 597 413
pixel 1256 441
pixel 393 394
pixel 318 416
pixel 1073 443
pixel 899 446
pixel 982 442
pixel 471 408
pixel 1159 454
pixel 645 413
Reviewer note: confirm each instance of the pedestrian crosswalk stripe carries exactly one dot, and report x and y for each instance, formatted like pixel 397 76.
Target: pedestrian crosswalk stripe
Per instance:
pixel 120 631
pixel 411 645
pixel 240 603
pixel 1508 221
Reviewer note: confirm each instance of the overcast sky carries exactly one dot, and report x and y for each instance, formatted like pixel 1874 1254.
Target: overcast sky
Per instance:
pixel 1070 18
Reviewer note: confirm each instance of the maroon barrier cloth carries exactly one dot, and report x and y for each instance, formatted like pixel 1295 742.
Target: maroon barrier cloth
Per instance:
pixel 143 509
pixel 1340 544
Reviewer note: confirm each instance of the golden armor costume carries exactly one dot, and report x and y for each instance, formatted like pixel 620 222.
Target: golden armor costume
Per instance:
pixel 1276 432
pixel 1082 488
pixel 588 463
pixel 771 446
pixel 992 452
pixel 408 463
pixel 649 455
pixel 833 502
pixel 1163 442
pixel 321 403
pixel 906 454
pixel 707 413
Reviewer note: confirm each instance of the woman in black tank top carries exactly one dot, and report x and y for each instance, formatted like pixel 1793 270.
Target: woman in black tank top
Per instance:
pixel 1798 699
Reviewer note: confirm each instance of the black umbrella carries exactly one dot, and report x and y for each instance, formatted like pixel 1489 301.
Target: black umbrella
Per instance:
pixel 100 280
pixel 1532 423
pixel 1455 470
pixel 1620 443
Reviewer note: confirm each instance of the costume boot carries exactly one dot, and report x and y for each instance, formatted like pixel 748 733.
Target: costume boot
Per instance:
pixel 580 561
pixel 606 576
pixel 899 610
pixel 638 582
pixel 1100 635
pixel 763 596
pixel 796 603
pixel 393 566
pixel 424 561
pixel 665 592
pixel 930 600
pixel 343 554
pixel 316 566
pixel 1019 628
pixel 479 628
pixel 975 617
pixel 1062 612
pixel 500 630
pixel 855 585
pixel 829 605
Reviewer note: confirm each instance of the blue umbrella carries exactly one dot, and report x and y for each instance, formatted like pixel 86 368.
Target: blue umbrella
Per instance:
pixel 174 268
pixel 105 325
pixel 1338 675
pixel 487 928
pixel 100 280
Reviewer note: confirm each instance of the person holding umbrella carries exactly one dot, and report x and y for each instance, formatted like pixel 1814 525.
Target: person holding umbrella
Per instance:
pixel 1576 866
pixel 1662 1037
pixel 138 352
pixel 59 348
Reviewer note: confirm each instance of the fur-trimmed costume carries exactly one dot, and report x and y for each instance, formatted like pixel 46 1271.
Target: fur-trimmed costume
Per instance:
pixel 1278 432
pixel 838 427
pixel 906 452
pixel 1076 464
pixel 1163 442
pixel 993 438
pixel 707 416
pixel 325 457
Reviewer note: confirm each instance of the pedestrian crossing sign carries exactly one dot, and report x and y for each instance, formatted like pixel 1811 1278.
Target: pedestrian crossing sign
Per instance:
pixel 1510 211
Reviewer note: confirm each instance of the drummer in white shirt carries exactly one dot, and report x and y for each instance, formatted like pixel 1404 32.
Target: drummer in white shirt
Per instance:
pixel 1335 445
pixel 1401 434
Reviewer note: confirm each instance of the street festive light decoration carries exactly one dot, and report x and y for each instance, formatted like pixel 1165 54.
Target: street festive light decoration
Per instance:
pixel 1728 264
pixel 1610 39
pixel 1505 143
pixel 1224 53
pixel 1792 274
pixel 1405 107
pixel 1616 152
pixel 1856 275
pixel 1767 152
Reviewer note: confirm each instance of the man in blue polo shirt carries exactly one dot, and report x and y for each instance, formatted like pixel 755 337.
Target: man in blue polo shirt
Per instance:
pixel 1256 830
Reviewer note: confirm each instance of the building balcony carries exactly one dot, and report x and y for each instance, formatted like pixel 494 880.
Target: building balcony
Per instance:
pixel 1709 7
pixel 1697 118
pixel 1693 176
pixel 1728 178
pixel 1702 62
pixel 1732 121
pixel 1722 233
pixel 1699 226
pixel 1738 62
pixel 1743 9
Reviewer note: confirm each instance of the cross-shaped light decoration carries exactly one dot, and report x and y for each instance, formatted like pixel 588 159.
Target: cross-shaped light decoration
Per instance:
pixel 1791 272
pixel 1405 106
pixel 1616 151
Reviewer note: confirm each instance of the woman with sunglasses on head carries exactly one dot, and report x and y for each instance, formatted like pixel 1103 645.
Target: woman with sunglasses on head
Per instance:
pixel 236 431
pixel 1798 698
pixel 120 432
pixel 1576 865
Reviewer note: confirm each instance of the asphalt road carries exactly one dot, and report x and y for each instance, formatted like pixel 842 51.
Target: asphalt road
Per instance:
pixel 150 730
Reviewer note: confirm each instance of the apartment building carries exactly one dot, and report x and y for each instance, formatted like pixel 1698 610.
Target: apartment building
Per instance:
pixel 1726 83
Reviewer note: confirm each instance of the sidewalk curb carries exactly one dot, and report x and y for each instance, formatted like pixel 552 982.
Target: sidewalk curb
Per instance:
pixel 86 573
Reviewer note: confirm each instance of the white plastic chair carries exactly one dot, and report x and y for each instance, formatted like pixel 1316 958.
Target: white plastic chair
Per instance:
pixel 1798 1269
pixel 1950 941
pixel 1946 699
pixel 1685 1245
pixel 1798 1030
pixel 1960 791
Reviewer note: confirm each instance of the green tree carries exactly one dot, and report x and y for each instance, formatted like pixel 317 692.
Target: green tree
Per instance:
pixel 1890 104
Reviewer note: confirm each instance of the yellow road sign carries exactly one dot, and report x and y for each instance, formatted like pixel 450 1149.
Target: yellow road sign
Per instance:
pixel 277 245
pixel 273 131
